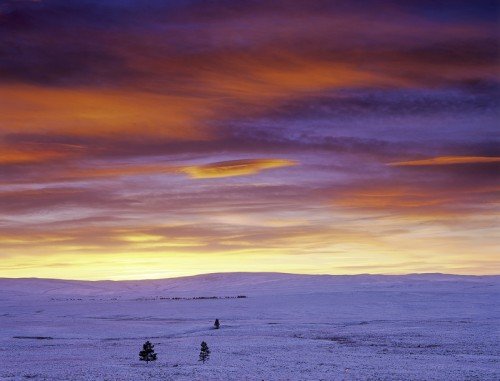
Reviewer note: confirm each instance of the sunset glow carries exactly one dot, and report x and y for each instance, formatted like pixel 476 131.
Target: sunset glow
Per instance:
pixel 187 137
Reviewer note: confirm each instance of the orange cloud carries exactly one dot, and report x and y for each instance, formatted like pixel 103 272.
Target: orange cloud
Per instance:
pixel 177 111
pixel 424 199
pixel 235 168
pixel 282 75
pixel 447 160
pixel 18 156
pixel 389 198
pixel 90 112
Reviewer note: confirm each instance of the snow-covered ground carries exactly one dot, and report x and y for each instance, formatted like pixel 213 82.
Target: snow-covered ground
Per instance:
pixel 289 327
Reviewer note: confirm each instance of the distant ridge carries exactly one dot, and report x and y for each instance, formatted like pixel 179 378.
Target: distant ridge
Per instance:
pixel 241 283
pixel 262 273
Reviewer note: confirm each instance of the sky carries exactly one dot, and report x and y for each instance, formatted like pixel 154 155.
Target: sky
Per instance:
pixel 152 139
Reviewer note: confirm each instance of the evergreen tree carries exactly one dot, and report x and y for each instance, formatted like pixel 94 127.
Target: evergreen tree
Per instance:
pixel 204 352
pixel 148 353
pixel 216 324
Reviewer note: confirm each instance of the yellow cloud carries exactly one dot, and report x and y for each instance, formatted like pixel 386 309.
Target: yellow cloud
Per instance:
pixel 235 168
pixel 447 160
pixel 142 238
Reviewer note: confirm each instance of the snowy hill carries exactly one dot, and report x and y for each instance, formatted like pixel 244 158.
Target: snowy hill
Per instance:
pixel 289 327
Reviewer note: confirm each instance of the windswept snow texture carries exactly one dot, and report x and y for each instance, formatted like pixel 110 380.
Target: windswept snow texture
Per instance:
pixel 289 327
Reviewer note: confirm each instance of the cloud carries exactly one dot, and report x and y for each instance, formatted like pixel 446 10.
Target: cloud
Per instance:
pixel 98 113
pixel 71 172
pixel 118 171
pixel 389 198
pixel 69 199
pixel 235 168
pixel 430 194
pixel 9 156
pixel 252 51
pixel 447 160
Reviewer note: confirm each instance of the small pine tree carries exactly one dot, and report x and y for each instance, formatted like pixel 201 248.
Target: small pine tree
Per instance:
pixel 216 324
pixel 148 353
pixel 204 352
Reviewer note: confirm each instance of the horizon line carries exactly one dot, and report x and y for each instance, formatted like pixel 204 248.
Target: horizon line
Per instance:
pixel 251 273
